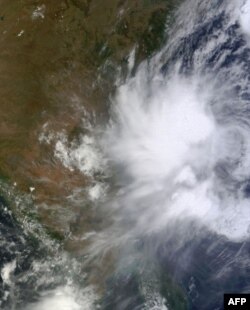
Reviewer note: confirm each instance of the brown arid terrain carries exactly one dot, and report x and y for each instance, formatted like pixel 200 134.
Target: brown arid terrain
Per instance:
pixel 58 62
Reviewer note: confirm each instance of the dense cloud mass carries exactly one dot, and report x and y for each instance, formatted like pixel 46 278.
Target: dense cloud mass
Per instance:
pixel 180 139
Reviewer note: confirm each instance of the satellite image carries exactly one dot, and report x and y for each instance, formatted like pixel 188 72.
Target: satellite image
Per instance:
pixel 124 154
